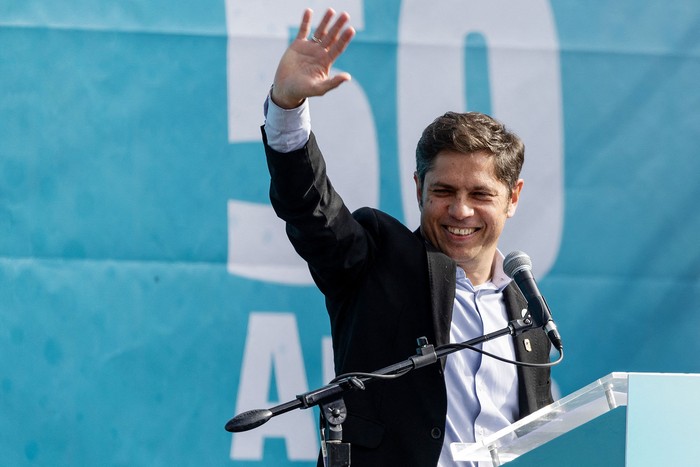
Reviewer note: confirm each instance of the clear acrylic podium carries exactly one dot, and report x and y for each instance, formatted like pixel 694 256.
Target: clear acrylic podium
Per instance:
pixel 622 419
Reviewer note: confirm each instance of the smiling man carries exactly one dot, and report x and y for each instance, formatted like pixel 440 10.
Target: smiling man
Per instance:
pixel 385 285
pixel 467 186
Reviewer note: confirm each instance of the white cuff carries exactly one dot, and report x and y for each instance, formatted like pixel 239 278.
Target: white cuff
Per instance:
pixel 287 129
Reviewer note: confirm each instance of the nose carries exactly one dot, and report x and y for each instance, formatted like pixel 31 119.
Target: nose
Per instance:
pixel 460 208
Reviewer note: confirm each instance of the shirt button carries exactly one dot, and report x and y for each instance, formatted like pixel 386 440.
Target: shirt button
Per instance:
pixel 436 433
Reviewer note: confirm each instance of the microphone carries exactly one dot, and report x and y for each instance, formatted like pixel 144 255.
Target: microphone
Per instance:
pixel 248 420
pixel 518 266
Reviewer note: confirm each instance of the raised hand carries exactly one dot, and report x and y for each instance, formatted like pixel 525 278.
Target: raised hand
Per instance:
pixel 304 69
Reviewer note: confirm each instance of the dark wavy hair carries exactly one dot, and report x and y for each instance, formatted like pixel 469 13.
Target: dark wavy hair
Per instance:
pixel 470 132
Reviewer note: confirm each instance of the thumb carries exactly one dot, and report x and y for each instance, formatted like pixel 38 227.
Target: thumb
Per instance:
pixel 336 81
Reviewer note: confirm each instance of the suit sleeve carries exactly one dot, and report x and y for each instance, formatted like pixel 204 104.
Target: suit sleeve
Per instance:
pixel 319 225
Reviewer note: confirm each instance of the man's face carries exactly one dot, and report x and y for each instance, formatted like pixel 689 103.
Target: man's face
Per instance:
pixel 464 208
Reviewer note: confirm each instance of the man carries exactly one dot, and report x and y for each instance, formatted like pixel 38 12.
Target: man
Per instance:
pixel 385 286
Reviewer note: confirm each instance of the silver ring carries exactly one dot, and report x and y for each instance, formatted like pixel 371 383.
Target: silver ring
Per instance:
pixel 315 39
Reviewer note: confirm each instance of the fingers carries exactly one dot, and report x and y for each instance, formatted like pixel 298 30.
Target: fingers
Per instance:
pixel 341 44
pixel 328 38
pixel 332 35
pixel 305 25
pixel 322 28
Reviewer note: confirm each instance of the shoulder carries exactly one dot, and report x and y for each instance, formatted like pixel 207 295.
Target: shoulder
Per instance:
pixel 380 223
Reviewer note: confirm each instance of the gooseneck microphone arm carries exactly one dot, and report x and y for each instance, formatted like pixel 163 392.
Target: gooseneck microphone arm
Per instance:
pixel 330 397
pixel 426 354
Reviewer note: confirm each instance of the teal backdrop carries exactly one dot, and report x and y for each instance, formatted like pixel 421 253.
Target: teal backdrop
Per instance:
pixel 147 293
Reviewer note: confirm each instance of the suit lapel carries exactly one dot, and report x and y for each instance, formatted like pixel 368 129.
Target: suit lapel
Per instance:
pixel 532 346
pixel 526 344
pixel 441 272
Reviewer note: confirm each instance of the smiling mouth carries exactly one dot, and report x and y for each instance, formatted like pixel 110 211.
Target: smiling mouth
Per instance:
pixel 461 231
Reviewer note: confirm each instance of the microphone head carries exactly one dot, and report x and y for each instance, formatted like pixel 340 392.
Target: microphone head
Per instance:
pixel 248 420
pixel 515 262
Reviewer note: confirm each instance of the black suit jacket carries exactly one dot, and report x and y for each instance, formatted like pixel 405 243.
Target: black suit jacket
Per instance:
pixel 385 286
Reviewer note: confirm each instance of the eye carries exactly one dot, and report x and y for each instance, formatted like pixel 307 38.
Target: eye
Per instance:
pixel 440 191
pixel 483 195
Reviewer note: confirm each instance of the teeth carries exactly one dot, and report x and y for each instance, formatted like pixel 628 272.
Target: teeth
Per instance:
pixel 457 231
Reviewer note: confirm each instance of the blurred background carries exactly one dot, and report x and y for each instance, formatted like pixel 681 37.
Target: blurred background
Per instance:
pixel 147 292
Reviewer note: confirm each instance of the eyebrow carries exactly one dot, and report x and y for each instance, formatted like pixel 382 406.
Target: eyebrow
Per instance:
pixel 438 184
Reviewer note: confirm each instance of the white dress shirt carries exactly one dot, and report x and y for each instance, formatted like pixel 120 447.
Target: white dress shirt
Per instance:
pixel 482 392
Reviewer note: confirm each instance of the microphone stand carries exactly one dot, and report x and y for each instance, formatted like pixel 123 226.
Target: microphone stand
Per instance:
pixel 330 397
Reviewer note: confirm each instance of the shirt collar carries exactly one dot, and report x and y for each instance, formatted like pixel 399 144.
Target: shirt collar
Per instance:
pixel 499 280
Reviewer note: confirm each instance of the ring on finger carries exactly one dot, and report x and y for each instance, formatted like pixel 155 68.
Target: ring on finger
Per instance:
pixel 316 39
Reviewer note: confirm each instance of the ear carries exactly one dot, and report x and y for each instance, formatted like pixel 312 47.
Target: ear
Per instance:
pixel 515 197
pixel 419 190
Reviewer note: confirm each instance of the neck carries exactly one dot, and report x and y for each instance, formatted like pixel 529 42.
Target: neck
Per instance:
pixel 477 276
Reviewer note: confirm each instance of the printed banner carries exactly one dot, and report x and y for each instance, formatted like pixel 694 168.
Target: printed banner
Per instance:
pixel 149 293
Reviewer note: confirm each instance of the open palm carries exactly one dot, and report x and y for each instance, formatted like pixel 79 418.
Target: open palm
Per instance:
pixel 304 70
